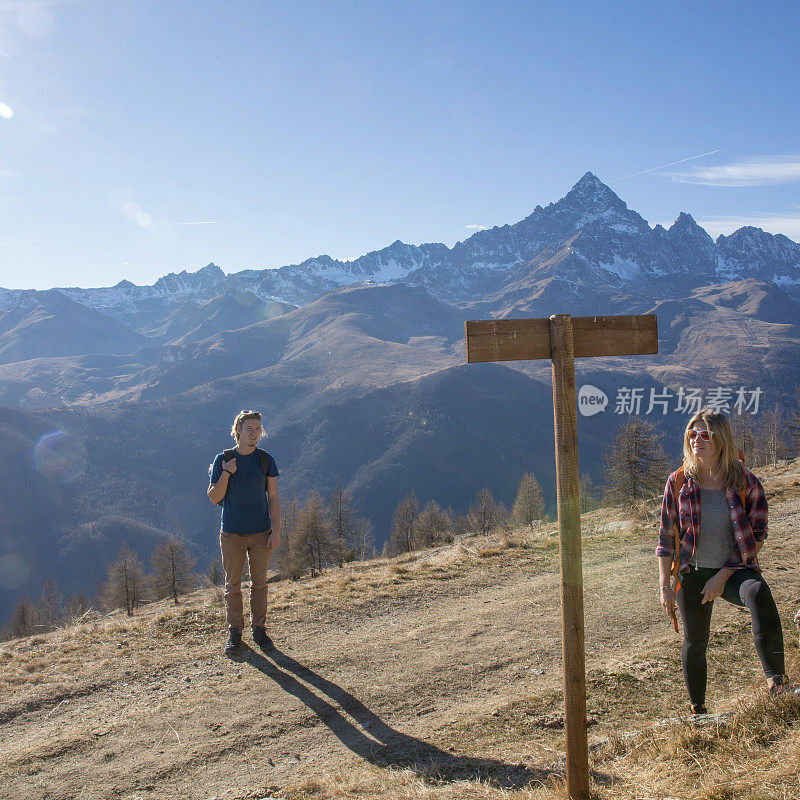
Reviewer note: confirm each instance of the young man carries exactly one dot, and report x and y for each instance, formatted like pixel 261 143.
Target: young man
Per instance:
pixel 245 480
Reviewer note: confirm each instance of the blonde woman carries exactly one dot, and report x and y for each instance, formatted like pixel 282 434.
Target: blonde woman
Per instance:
pixel 721 515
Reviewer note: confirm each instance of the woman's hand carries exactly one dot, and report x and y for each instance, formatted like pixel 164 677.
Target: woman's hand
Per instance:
pixel 668 600
pixel 715 586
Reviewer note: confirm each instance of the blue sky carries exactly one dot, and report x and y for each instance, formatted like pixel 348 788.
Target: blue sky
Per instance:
pixel 139 138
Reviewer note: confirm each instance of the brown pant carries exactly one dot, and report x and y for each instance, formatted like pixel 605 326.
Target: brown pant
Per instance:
pixel 237 547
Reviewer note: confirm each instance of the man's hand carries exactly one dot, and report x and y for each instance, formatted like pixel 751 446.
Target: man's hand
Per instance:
pixel 229 466
pixel 714 587
pixel 273 541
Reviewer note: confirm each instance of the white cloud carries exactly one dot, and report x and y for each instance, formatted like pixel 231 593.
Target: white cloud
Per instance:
pixel 787 224
pixel 134 213
pixel 162 229
pixel 664 166
pixel 757 171
pixel 6 112
pixel 476 227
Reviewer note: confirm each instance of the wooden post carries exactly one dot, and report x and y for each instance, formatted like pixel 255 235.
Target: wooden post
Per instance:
pixel 562 338
pixel 565 415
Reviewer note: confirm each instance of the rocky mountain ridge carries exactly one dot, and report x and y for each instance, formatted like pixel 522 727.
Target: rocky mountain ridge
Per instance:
pixel 589 236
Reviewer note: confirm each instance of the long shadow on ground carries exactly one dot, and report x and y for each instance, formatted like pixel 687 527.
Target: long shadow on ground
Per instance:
pixel 369 737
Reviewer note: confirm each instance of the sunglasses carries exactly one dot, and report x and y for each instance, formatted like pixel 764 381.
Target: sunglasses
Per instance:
pixel 704 435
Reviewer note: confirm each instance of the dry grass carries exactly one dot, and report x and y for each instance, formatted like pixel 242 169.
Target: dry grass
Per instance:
pixel 493 695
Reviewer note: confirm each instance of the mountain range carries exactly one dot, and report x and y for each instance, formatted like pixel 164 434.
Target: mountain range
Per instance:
pixel 359 369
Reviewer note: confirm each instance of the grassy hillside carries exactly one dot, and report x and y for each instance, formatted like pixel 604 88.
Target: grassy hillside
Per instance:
pixel 433 675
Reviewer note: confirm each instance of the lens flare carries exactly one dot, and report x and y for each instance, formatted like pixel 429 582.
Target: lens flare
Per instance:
pixel 14 571
pixel 60 457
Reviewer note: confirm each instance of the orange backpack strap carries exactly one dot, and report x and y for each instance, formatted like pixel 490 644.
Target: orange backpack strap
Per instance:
pixel 743 487
pixel 677 485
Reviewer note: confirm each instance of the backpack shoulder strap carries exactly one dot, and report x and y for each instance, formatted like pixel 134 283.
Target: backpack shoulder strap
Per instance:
pixel 677 485
pixel 227 455
pixel 743 487
pixel 264 459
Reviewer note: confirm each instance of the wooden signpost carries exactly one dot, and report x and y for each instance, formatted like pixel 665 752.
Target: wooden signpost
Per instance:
pixel 563 338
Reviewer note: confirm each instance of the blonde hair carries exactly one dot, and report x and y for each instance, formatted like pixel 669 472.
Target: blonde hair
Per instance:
pixel 731 469
pixel 241 418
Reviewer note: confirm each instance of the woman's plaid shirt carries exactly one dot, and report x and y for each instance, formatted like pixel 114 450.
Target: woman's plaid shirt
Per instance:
pixel 749 523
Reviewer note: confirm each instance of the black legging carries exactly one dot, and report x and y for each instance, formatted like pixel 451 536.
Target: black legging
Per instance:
pixel 745 587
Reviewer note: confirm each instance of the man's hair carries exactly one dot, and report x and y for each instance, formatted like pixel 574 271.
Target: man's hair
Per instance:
pixel 241 418
pixel 730 467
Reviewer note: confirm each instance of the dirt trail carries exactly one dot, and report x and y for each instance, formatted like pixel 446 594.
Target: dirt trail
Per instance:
pixel 450 657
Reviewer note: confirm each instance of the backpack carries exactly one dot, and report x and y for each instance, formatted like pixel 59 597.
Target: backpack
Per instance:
pixel 263 458
pixel 680 479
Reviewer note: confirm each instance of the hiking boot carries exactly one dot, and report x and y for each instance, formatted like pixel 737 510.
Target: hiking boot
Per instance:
pixel 697 708
pixel 261 639
pixel 234 641
pixel 782 686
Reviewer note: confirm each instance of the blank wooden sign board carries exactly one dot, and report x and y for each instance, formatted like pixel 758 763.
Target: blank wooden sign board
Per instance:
pixel 562 338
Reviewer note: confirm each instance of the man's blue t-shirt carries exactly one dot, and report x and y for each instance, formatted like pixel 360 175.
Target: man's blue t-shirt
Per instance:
pixel 245 507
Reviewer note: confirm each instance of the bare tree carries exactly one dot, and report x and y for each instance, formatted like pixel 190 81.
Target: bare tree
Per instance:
pixel 793 425
pixel 589 494
pixel 484 515
pixel 125 585
pixel 635 462
pixel 401 536
pixel 215 573
pixel 283 560
pixel 172 569
pixel 364 539
pixel 77 608
pixel 432 526
pixel 770 436
pixel 744 438
pixel 23 619
pixel 49 606
pixel 311 545
pixel 344 524
pixel 529 503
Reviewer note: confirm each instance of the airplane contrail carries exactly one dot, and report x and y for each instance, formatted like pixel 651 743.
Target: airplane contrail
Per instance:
pixel 671 164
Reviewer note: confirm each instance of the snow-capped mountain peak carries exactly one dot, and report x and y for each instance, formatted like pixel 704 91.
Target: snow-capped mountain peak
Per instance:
pixel 587 238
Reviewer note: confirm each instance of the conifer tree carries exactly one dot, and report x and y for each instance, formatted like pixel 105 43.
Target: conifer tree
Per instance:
pixel 744 438
pixel 312 546
pixel 485 514
pixel 344 524
pixel 589 494
pixel 529 503
pixel 401 536
pixel 49 606
pixel 215 573
pixel 172 569
pixel 124 587
pixel 432 526
pixel 770 436
pixel 636 465
pixel 793 425
pixel 23 619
